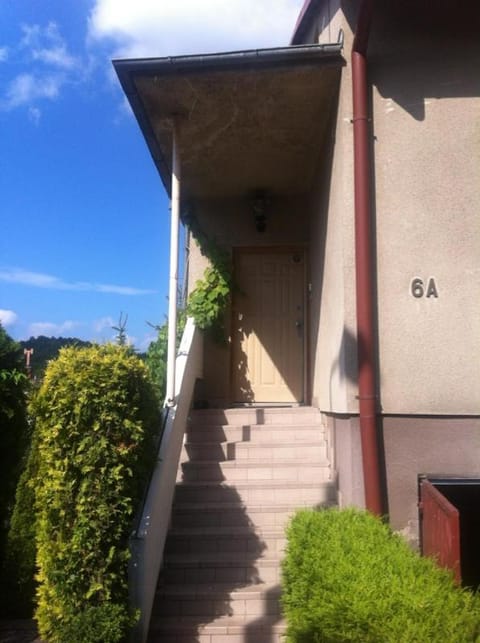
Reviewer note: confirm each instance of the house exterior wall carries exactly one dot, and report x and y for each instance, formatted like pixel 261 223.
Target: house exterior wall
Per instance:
pixel 334 370
pixel 425 108
pixel 426 121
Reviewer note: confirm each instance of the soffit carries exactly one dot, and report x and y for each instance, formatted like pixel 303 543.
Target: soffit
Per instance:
pixel 239 129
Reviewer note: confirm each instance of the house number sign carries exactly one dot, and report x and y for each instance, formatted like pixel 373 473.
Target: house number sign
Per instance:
pixel 420 288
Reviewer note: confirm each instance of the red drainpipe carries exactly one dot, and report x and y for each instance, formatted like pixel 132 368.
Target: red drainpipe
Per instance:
pixel 364 266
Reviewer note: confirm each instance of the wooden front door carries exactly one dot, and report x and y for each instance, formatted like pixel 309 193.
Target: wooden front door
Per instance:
pixel 268 333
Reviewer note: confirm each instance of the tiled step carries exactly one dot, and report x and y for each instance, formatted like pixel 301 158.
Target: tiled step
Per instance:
pixel 221 567
pixel 233 471
pixel 231 514
pixel 257 493
pixel 218 599
pixel 199 540
pixel 243 473
pixel 222 629
pixel 255 433
pixel 270 415
pixel 266 452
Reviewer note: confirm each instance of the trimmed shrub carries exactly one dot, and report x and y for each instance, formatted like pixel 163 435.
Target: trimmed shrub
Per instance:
pixel 96 415
pixel 347 577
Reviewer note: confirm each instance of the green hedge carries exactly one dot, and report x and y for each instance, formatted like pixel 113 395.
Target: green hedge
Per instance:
pixel 13 423
pixel 96 415
pixel 14 438
pixel 346 577
pixel 19 579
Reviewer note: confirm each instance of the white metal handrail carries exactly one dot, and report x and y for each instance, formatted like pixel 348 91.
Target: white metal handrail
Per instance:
pixel 148 542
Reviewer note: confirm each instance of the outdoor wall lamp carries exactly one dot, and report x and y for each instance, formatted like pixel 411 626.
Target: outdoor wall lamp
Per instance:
pixel 259 204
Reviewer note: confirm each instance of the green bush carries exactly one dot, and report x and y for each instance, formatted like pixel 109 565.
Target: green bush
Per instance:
pixel 14 437
pixel 106 623
pixel 346 577
pixel 19 578
pixel 96 415
pixel 13 423
pixel 156 357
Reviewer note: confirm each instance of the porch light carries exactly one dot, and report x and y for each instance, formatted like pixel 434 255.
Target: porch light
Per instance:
pixel 259 204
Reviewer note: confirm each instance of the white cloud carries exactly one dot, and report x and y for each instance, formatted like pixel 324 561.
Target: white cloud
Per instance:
pixel 27 88
pixel 151 28
pixel 56 56
pixel 34 114
pixel 102 323
pixel 41 280
pixel 144 342
pixel 46 45
pixel 51 328
pixel 48 67
pixel 8 317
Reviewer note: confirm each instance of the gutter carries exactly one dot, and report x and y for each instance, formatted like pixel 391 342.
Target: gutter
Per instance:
pixel 364 266
pixel 270 57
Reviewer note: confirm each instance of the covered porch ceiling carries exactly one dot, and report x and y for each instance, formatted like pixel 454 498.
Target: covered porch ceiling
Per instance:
pixel 246 120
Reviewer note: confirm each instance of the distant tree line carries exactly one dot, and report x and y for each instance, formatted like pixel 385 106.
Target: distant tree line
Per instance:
pixel 46 349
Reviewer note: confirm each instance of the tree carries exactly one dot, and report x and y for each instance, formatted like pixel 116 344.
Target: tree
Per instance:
pixel 46 349
pixel 121 330
pixel 14 431
pixel 156 358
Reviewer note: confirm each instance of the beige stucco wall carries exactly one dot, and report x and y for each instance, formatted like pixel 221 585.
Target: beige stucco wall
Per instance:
pixel 426 119
pixel 426 152
pixel 435 446
pixel 425 99
pixel 333 344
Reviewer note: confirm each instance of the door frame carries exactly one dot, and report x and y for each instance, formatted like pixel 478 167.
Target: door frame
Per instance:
pixel 276 249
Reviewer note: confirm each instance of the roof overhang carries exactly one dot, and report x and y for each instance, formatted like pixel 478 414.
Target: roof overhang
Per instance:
pixel 247 120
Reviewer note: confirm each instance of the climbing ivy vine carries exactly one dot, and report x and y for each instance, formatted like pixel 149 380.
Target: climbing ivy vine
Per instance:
pixel 209 299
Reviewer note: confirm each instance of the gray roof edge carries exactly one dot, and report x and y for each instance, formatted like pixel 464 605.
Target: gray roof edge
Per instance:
pixel 306 14
pixel 231 60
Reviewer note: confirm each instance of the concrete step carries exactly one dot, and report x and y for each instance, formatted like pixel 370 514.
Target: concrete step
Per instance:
pixel 222 629
pixel 220 567
pixel 247 540
pixel 218 599
pixel 255 433
pixel 259 415
pixel 245 471
pixel 314 451
pixel 277 492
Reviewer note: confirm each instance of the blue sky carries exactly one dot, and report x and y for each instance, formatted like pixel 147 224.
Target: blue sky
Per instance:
pixel 84 217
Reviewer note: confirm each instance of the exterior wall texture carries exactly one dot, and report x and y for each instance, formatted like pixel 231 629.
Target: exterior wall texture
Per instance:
pixel 435 446
pixel 333 275
pixel 426 121
pixel 425 107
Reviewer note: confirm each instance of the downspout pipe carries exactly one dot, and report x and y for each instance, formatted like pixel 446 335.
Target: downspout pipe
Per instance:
pixel 364 266
pixel 173 279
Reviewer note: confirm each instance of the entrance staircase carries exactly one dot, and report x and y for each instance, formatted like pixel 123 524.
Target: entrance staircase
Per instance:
pixel 243 472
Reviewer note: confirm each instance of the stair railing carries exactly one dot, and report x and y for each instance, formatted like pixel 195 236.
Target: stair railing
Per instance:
pixel 148 540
